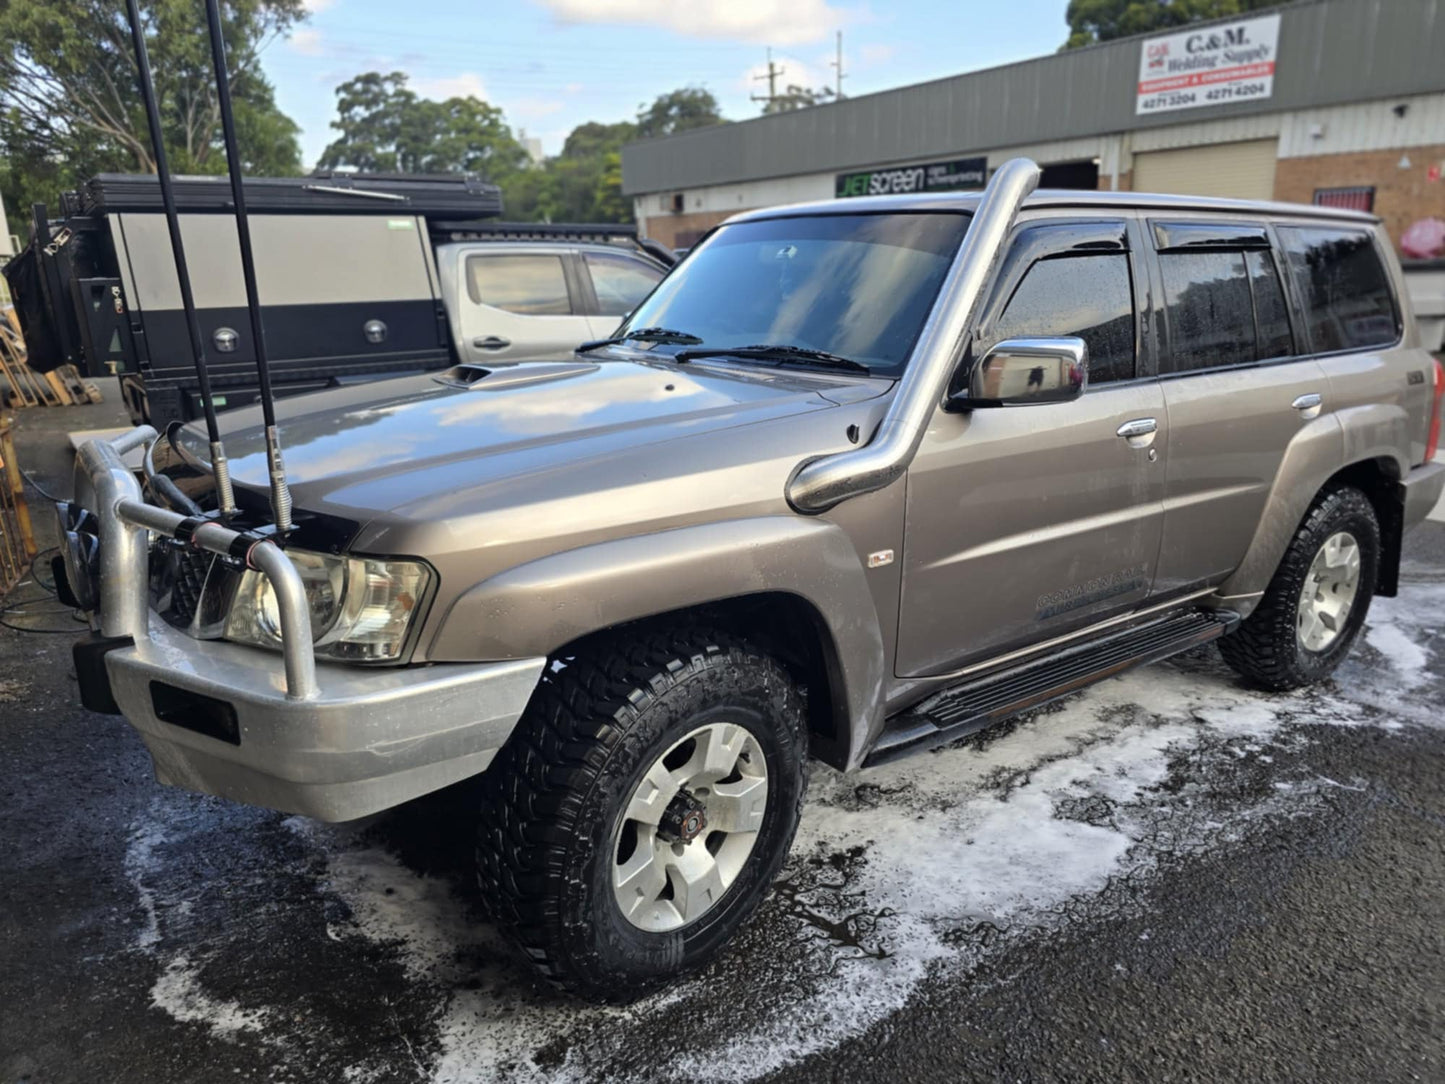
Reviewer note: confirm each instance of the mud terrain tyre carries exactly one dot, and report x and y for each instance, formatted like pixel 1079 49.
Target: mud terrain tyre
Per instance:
pixel 1315 605
pixel 675 727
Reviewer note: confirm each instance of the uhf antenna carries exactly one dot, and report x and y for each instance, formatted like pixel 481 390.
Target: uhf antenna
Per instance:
pixel 219 467
pixel 280 494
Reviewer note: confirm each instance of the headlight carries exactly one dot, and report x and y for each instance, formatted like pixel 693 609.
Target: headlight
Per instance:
pixel 361 607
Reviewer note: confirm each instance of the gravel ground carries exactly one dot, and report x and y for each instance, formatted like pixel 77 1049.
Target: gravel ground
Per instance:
pixel 1167 878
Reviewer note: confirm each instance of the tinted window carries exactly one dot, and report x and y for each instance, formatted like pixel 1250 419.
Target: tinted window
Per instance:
pixel 858 285
pixel 1089 297
pixel 1211 317
pixel 530 285
pixel 1347 299
pixel 1271 315
pixel 620 283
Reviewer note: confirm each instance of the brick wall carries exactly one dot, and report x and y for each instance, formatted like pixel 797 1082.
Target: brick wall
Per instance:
pixel 1401 195
pixel 666 228
pixel 1106 181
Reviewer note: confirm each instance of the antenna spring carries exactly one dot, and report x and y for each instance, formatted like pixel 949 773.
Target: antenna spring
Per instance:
pixel 280 492
pixel 221 470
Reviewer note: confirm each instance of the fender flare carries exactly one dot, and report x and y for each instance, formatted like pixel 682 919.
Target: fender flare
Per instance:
pixel 1314 454
pixel 537 607
pixel 1318 452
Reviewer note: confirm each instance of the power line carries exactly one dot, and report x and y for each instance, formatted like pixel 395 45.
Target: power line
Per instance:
pixel 838 66
pixel 772 77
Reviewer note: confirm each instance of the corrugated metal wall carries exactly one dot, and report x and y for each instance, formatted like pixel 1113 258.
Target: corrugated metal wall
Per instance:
pixel 1330 52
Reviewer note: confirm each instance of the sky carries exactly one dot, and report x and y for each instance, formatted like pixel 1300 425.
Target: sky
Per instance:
pixel 554 64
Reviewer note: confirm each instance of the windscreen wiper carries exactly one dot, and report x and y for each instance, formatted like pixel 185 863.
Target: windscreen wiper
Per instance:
pixel 643 334
pixel 781 353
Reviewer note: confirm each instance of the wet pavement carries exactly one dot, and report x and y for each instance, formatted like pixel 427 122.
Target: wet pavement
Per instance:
pixel 1167 877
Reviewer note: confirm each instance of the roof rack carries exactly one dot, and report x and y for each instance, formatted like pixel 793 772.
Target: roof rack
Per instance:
pixel 604 233
pixel 457 195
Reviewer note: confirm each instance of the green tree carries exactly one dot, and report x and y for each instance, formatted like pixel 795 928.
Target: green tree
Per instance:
pixel 595 138
pixel 678 111
pixel 69 106
pixel 584 182
pixel 1092 21
pixel 387 127
pixel 795 97
pixel 611 205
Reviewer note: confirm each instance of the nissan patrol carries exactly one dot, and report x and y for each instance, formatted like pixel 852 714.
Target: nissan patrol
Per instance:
pixel 857 477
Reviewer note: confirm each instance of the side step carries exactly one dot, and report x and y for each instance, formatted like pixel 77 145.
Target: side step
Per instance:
pixel 975 705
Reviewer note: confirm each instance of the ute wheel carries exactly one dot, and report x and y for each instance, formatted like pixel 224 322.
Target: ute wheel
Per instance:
pixel 1315 605
pixel 642 808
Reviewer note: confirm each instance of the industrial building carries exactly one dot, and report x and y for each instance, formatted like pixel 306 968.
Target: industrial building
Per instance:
pixel 1328 101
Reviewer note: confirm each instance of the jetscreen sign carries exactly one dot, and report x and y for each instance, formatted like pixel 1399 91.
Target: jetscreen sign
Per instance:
pixel 960 174
pixel 1214 65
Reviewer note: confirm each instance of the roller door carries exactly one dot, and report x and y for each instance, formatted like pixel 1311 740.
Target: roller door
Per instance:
pixel 1240 170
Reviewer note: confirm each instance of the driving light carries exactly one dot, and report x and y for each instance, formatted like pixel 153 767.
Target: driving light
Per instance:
pixel 361 607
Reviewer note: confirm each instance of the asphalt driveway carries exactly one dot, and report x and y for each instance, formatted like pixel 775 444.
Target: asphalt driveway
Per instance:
pixel 1167 877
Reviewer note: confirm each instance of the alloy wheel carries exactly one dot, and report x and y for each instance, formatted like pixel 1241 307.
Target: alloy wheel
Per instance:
pixel 1329 591
pixel 689 826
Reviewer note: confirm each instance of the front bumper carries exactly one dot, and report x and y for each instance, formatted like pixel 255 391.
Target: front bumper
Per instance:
pixel 1420 491
pixel 370 739
pixel 333 742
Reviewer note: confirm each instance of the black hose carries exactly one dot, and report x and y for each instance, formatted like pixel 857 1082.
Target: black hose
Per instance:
pixel 166 487
pixel 18 609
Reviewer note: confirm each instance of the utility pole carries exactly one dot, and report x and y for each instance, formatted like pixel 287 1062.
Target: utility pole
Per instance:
pixel 838 64
pixel 772 77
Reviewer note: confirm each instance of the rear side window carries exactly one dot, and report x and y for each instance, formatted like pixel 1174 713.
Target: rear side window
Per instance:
pixel 1085 296
pixel 620 283
pixel 524 284
pixel 1347 300
pixel 1224 308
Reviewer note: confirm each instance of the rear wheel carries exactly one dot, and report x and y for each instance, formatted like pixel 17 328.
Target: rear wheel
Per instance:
pixel 642 808
pixel 1316 604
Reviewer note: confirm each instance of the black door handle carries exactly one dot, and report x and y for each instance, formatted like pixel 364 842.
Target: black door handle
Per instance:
pixel 492 342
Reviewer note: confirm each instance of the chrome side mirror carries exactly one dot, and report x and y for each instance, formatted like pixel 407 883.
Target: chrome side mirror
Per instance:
pixel 1026 372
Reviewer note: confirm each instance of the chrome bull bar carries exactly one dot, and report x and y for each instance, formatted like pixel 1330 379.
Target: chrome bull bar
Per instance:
pixel 107 487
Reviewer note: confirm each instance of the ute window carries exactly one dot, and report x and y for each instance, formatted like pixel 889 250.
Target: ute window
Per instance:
pixel 857 285
pixel 1347 300
pixel 1085 296
pixel 524 284
pixel 1224 308
pixel 620 283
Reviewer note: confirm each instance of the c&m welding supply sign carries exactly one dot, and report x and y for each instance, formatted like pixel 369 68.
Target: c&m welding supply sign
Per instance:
pixel 1214 65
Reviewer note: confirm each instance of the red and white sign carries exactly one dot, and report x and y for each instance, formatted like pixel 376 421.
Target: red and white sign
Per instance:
pixel 1212 65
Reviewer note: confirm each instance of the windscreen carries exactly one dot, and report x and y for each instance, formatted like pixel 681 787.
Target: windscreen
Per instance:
pixel 857 285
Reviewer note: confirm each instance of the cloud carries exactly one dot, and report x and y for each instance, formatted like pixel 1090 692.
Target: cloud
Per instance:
pixel 465 85
pixel 314 6
pixel 307 41
pixel 770 22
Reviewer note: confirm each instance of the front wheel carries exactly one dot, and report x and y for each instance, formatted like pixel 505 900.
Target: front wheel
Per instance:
pixel 643 807
pixel 1316 604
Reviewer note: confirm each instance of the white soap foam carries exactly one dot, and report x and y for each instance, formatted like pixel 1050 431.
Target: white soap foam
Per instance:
pixel 1006 835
